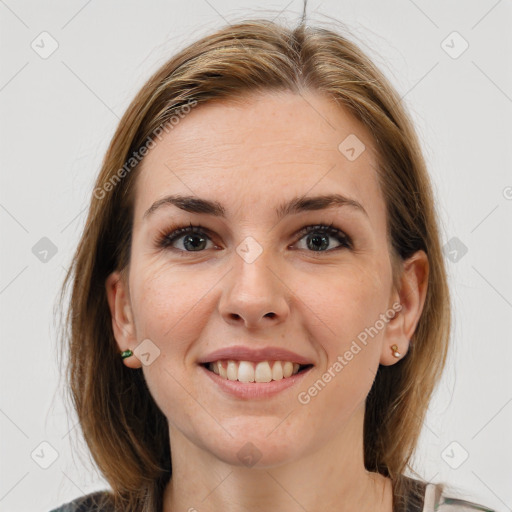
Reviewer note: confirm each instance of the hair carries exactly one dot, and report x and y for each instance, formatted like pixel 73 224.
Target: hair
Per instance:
pixel 125 431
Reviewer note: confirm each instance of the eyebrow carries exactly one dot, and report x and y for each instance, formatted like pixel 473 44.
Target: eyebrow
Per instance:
pixel 193 204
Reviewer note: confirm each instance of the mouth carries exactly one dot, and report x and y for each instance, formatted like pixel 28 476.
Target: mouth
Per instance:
pixel 255 372
pixel 254 381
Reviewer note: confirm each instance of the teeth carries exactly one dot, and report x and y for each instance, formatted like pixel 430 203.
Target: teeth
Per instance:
pixel 287 369
pixel 247 371
pixel 232 373
pixel 277 372
pixel 262 372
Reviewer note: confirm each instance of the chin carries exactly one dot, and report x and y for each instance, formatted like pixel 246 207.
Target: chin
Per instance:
pixel 256 455
pixel 260 449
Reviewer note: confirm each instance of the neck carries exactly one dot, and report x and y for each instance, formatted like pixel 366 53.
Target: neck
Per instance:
pixel 200 481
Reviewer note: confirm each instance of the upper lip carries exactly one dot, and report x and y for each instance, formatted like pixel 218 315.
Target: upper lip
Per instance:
pixel 241 353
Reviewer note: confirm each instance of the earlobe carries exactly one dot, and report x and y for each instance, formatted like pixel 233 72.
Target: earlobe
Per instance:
pixel 122 318
pixel 411 296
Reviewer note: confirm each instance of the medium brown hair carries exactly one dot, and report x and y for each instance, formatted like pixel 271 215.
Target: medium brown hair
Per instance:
pixel 125 431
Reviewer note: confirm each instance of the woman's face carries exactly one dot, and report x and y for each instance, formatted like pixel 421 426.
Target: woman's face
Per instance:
pixel 250 277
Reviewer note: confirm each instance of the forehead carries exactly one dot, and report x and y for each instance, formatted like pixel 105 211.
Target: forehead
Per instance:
pixel 262 149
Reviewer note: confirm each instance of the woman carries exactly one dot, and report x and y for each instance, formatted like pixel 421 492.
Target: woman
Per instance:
pixel 259 309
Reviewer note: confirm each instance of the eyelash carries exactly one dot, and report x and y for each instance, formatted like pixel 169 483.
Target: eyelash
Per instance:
pixel 166 238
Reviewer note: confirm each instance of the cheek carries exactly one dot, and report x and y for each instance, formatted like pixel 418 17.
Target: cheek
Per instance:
pixel 170 308
pixel 347 302
pixel 169 304
pixel 347 335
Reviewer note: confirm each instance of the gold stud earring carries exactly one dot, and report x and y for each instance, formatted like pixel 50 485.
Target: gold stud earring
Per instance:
pixel 394 348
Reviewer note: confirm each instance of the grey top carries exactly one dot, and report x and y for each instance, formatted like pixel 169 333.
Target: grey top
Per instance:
pixel 434 500
pixel 87 503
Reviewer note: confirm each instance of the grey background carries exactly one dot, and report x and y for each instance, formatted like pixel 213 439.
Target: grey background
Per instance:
pixel 57 115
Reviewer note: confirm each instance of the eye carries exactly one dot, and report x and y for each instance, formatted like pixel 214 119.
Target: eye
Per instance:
pixel 194 238
pixel 317 238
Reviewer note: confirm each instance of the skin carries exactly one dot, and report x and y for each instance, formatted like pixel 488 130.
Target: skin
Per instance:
pixel 250 157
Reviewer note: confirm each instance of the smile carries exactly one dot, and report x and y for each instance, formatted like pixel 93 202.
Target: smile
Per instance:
pixel 231 382
pixel 249 371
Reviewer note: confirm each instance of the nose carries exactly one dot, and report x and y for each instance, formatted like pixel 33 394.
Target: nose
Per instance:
pixel 255 294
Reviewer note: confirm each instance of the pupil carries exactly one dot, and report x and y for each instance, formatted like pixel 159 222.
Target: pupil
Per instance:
pixel 189 239
pixel 316 239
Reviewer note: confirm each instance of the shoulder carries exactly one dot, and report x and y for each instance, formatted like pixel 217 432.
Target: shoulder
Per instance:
pixel 99 501
pixel 439 499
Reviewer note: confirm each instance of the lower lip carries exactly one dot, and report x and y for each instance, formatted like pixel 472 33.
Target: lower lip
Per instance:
pixel 255 390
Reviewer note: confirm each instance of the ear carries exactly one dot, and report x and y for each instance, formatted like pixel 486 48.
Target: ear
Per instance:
pixel 122 318
pixel 411 297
